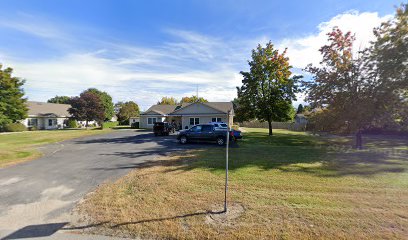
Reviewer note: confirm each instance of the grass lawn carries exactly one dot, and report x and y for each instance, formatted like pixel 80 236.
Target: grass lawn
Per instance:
pixel 290 186
pixel 18 147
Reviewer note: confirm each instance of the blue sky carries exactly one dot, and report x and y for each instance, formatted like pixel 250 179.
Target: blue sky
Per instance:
pixel 142 50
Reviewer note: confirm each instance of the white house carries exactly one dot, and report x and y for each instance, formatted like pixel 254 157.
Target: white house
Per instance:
pixel 187 115
pixel 46 115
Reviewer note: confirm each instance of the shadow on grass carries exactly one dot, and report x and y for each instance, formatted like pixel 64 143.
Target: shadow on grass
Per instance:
pixel 286 151
pixel 116 225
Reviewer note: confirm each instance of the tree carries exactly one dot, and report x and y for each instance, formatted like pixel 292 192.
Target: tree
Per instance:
pixel 107 103
pixel 60 99
pixel 300 109
pixel 117 107
pixel 385 63
pixel 268 88
pixel 128 110
pixel 168 101
pixel 87 107
pixel 338 87
pixel 12 102
pixel 360 92
pixel 193 99
pixel 241 114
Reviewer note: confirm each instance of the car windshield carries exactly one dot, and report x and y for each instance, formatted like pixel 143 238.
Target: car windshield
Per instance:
pixel 223 125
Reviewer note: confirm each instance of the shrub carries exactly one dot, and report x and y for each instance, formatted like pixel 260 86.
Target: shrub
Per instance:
pixel 72 123
pixel 32 128
pixel 15 127
pixel 110 124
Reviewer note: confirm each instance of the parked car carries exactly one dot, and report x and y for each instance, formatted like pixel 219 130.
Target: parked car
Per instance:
pixel 236 134
pixel 219 125
pixel 162 128
pixel 203 132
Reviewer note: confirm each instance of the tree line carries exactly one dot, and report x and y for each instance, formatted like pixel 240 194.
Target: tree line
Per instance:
pixel 95 105
pixel 173 101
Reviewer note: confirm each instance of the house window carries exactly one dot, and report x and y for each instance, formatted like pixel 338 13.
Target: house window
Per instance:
pixel 151 121
pixel 194 121
pixel 216 120
pixel 52 122
pixel 32 122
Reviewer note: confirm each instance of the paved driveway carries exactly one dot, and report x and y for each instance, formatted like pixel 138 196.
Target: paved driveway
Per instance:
pixel 44 191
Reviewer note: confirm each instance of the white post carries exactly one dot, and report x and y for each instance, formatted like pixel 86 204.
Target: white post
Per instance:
pixel 226 166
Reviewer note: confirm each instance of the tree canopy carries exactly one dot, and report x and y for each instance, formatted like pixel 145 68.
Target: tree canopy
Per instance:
pixel 12 102
pixel 193 99
pixel 87 107
pixel 168 101
pixel 106 102
pixel 128 110
pixel 268 88
pixel 358 92
pixel 60 99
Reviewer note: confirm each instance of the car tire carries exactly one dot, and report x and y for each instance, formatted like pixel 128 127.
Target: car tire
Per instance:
pixel 220 141
pixel 183 140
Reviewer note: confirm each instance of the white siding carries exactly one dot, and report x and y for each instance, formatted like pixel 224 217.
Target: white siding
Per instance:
pixel 145 124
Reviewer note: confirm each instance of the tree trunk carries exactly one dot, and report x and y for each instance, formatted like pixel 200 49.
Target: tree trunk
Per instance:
pixel 86 124
pixel 359 140
pixel 270 127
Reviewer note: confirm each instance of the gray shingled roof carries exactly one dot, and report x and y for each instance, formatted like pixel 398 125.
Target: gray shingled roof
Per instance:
pixel 168 109
pixel 161 109
pixel 42 109
pixel 222 106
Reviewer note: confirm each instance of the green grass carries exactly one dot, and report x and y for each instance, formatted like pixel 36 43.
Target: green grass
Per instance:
pixel 292 186
pixel 18 147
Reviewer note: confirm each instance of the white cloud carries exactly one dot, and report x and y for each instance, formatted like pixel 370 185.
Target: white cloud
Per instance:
pixel 174 68
pixel 305 50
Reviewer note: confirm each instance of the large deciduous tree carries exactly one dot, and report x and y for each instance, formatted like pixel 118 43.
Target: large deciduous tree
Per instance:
pixel 386 67
pixel 337 86
pixel 107 103
pixel 128 110
pixel 268 88
pixel 60 99
pixel 12 102
pixel 359 92
pixel 168 101
pixel 87 107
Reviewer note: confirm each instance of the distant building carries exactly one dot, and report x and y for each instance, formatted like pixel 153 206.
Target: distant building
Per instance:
pixel 187 115
pixel 46 115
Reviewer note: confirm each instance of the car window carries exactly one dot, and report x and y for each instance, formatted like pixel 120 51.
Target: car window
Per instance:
pixel 196 129
pixel 224 125
pixel 216 125
pixel 207 128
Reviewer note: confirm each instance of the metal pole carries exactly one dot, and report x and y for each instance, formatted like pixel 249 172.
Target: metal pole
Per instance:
pixel 226 167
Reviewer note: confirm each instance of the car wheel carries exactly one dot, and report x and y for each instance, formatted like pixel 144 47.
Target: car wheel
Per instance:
pixel 220 141
pixel 183 140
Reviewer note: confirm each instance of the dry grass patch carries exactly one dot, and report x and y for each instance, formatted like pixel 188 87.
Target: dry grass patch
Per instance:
pixel 290 187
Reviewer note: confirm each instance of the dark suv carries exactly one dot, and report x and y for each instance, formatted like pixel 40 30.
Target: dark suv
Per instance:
pixel 203 132
pixel 162 128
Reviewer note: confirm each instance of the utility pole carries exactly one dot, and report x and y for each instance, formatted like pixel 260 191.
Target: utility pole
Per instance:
pixel 226 165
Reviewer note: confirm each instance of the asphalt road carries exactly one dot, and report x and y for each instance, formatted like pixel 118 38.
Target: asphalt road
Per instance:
pixel 36 197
